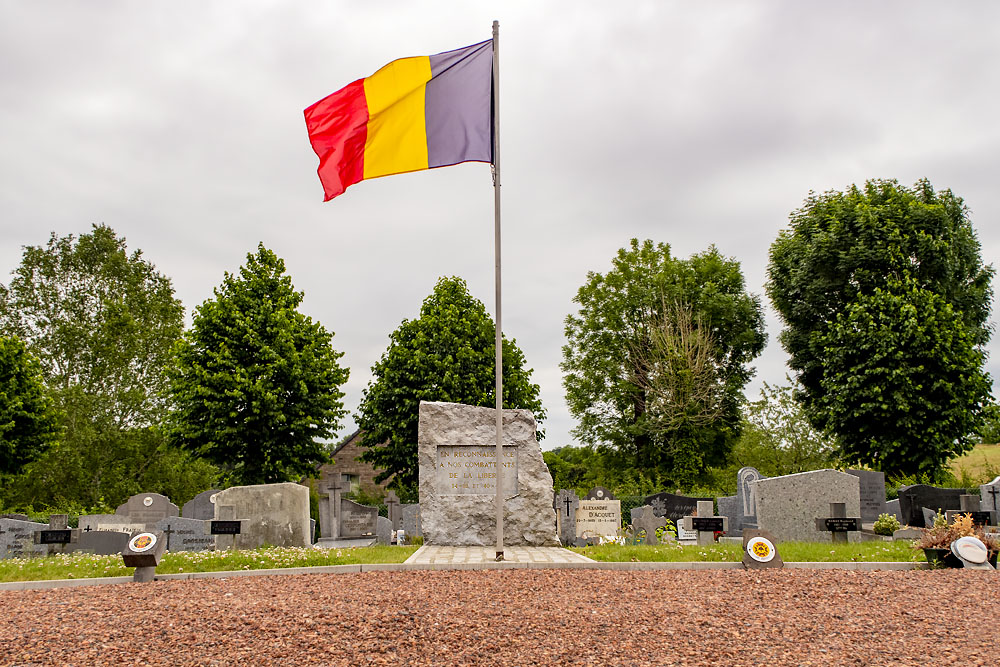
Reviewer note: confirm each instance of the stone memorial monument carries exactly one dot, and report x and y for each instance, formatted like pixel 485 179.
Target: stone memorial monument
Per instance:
pixel 275 514
pixel 458 476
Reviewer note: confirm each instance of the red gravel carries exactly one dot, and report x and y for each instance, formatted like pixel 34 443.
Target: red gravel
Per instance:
pixel 516 617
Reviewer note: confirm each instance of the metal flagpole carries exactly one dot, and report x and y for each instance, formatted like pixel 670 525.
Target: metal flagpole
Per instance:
pixel 496 251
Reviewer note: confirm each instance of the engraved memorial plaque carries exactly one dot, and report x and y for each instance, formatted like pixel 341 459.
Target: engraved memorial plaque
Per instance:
pixel 471 470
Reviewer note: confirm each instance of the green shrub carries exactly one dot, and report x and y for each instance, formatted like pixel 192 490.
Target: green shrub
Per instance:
pixel 886 524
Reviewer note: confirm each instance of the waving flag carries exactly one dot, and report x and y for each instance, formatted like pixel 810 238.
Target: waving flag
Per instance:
pixel 413 114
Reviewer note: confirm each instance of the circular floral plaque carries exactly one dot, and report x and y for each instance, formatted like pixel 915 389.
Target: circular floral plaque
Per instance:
pixel 142 542
pixel 761 549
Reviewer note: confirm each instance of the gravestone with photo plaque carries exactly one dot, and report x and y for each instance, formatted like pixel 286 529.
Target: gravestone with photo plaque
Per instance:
pixel 202 506
pixel 146 509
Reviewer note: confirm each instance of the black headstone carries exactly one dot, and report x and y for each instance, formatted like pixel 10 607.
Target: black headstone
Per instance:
pixel 671 506
pixel 916 496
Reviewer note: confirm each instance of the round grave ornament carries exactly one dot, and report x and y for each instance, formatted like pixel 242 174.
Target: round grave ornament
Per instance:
pixel 147 501
pixel 211 498
pixel 142 542
pixel 761 549
pixel 970 549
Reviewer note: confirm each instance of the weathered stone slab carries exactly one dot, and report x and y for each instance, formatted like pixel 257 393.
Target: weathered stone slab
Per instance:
pixel 411 520
pixel 565 503
pixel 17 539
pixel 147 509
pixel 872 488
pixel 788 506
pixel 357 520
pixel 892 507
pixel 727 508
pixel 383 530
pixel 201 506
pixel 598 518
pixel 275 514
pixel 457 516
pixel 183 534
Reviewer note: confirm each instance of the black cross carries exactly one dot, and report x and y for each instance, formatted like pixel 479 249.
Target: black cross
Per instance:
pixel 167 532
pixel 568 503
pixel 993 492
pixel 87 529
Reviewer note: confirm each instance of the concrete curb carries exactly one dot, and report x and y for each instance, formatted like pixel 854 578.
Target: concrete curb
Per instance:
pixel 413 567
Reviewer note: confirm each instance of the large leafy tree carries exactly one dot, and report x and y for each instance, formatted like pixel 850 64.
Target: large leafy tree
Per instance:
pixel 29 422
pixel 256 384
pixel 102 322
pixel 657 356
pixel 447 354
pixel 885 299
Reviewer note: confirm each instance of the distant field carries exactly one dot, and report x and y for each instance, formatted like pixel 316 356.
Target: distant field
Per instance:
pixel 982 462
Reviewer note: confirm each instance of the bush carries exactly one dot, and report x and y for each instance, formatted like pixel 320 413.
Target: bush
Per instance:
pixel 886 524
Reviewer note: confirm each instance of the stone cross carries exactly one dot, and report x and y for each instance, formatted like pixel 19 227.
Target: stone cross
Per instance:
pixel 648 522
pixel 838 524
pixel 395 510
pixel 706 523
pixel 337 486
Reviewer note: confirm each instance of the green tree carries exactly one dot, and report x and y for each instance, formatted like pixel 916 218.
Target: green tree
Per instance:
pixel 102 322
pixel 657 357
pixel 29 423
pixel 256 384
pixel 885 299
pixel 447 354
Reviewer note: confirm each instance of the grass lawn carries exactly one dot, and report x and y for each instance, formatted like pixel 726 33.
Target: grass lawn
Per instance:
pixel 981 462
pixel 84 566
pixel 789 551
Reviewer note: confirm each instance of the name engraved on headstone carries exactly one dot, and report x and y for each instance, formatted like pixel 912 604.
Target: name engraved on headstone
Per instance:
pixel 595 518
pixel 471 470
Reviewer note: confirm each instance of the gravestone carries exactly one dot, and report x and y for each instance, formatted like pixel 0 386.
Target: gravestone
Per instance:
pixel 915 496
pixel 929 516
pixel 760 550
pixel 705 524
pixel 146 509
pixel 599 493
pixel 645 519
pixel 109 522
pixel 838 524
pixel 598 518
pixel 394 510
pixel 17 539
pixel 383 530
pixel 872 487
pixel 102 542
pixel 458 478
pixel 989 498
pixel 143 552
pixel 275 514
pixel 183 534
pixel 787 506
pixel 746 496
pixel 18 517
pixel 892 507
pixel 411 520
pixel 727 508
pixel 329 506
pixel 357 520
pixel 201 506
pixel 566 502
pixel 57 536
pixel 672 506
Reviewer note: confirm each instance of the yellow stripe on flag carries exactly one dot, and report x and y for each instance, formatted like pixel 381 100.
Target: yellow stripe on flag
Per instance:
pixel 397 133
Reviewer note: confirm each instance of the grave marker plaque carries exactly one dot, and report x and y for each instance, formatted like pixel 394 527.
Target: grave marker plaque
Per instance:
pixel 357 520
pixel 464 470
pixel 598 518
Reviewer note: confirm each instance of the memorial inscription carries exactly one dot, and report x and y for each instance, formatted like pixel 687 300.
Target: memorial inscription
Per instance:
pixel 471 470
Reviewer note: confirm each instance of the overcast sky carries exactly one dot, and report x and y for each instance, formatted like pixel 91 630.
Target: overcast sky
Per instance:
pixel 179 124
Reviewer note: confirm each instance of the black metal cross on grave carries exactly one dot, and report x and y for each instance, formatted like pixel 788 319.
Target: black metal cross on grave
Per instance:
pixel 568 503
pixel 993 491
pixel 87 529
pixel 167 531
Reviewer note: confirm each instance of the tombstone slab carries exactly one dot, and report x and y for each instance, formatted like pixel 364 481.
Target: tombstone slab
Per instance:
pixel 201 506
pixel 672 506
pixel 872 488
pixel 357 520
pixel 727 508
pixel 989 497
pixel 566 502
pixel 458 475
pixel 17 539
pixel 102 542
pixel 787 506
pixel 146 509
pixel 275 514
pixel 411 520
pixel 383 530
pixel 916 496
pixel 598 518
pixel 183 534
pixel 746 496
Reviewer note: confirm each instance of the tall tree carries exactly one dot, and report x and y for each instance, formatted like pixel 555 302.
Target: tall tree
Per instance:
pixel 885 299
pixel 656 359
pixel 102 322
pixel 256 384
pixel 29 423
pixel 447 354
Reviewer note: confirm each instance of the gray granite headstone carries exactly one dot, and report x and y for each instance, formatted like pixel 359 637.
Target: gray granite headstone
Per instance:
pixel 746 497
pixel 383 530
pixel 17 539
pixel 274 514
pixel 358 520
pixel 928 517
pixel 182 534
pixel 19 517
pixel 989 496
pixel 872 486
pixel 147 509
pixel 411 520
pixel 566 504
pixel 395 511
pixel 201 506
pixel 787 506
pixel 727 508
pixel 892 507
pixel 459 474
pixel 915 496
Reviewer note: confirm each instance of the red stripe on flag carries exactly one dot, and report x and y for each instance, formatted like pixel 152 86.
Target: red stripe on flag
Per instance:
pixel 338 130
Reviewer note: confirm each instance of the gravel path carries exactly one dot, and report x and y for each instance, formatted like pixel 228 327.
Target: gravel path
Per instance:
pixel 516 617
